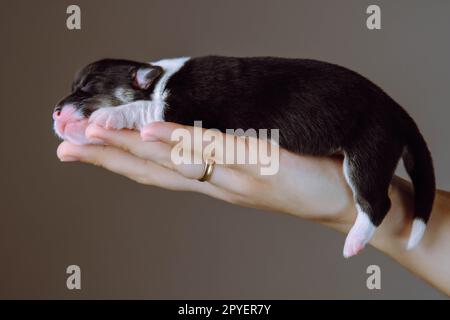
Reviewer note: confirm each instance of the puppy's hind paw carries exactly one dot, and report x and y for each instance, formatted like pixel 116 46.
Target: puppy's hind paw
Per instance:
pixel 109 118
pixel 359 235
pixel 353 246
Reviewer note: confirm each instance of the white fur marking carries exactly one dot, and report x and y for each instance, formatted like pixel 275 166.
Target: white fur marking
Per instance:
pixel 123 95
pixel 362 231
pixel 134 115
pixel 345 167
pixel 159 95
pixel 417 231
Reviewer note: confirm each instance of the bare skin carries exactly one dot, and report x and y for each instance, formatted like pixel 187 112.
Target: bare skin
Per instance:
pixel 299 188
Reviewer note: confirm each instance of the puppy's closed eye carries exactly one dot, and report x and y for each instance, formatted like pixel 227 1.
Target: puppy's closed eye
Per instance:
pixel 124 95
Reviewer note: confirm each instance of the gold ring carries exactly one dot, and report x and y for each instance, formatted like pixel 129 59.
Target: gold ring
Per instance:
pixel 207 170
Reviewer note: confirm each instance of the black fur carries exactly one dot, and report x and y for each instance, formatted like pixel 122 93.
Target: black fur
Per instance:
pixel 94 85
pixel 320 109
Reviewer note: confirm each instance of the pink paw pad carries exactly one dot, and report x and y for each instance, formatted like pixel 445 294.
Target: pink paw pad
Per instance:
pixel 354 244
pixel 359 235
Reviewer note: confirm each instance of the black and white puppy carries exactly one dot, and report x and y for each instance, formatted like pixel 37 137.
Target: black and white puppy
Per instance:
pixel 319 109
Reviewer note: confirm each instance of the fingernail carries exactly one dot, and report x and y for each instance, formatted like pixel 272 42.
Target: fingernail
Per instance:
pixel 68 159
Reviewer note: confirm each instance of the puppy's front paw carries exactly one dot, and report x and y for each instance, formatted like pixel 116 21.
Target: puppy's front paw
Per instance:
pixel 109 118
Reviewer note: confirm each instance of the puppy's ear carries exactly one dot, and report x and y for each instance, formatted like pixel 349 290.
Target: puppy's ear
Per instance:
pixel 144 76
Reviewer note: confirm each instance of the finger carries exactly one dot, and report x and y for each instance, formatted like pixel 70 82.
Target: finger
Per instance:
pixel 242 153
pixel 130 141
pixel 194 140
pixel 161 131
pixel 139 170
pixel 123 163
pixel 163 154
pixel 155 151
pixel 224 175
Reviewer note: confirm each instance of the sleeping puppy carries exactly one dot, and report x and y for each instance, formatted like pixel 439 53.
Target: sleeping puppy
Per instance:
pixel 319 109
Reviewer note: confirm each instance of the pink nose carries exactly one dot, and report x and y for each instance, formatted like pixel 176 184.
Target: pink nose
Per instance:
pixel 64 113
pixel 56 113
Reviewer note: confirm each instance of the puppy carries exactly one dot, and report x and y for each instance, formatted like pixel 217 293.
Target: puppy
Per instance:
pixel 319 109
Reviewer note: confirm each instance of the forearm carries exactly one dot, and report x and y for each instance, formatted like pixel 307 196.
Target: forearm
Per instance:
pixel 308 187
pixel 431 259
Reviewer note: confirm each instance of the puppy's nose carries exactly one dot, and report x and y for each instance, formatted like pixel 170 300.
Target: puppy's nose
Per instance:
pixel 57 112
pixel 64 113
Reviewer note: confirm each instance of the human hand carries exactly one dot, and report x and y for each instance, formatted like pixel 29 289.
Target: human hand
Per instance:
pixel 308 187
pixel 299 187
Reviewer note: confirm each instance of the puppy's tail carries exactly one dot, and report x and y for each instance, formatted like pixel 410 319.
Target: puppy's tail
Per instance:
pixel 419 165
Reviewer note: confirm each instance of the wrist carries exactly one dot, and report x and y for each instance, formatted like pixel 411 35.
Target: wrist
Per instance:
pixel 392 235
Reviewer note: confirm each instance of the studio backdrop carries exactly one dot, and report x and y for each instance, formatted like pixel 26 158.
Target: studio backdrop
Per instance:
pixel 134 241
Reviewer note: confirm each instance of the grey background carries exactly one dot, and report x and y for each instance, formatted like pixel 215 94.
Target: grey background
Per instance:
pixel 133 241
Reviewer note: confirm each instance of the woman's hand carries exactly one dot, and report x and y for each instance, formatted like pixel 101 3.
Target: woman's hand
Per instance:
pixel 308 187
pixel 298 188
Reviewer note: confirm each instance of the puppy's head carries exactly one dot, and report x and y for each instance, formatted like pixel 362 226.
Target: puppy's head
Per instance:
pixel 104 83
